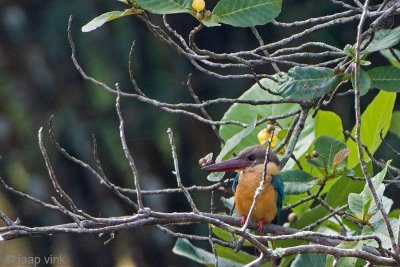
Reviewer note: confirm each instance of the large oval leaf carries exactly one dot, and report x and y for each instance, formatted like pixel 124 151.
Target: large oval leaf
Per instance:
pixel 245 113
pixel 375 119
pixel 395 124
pixel 165 6
pixel 383 39
pixel 247 13
pixel 386 78
pixel 307 83
pixel 184 248
pixel 297 182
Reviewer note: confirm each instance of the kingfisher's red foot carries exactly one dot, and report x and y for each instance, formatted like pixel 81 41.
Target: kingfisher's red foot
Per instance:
pixel 260 225
pixel 244 218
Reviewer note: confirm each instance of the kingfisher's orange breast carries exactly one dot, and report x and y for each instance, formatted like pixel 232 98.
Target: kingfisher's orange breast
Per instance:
pixel 249 181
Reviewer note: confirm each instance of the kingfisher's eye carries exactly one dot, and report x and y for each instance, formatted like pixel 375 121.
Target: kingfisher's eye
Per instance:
pixel 251 157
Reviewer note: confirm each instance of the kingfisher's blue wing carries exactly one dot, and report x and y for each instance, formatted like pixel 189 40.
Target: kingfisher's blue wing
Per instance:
pixel 280 194
pixel 235 182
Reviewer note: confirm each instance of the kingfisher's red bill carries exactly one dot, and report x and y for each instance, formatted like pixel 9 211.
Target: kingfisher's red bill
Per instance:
pixel 228 165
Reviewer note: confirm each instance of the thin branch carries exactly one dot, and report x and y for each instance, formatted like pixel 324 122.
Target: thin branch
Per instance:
pixel 6 219
pixel 127 153
pixel 318 222
pixel 358 127
pixel 296 134
pixel 177 173
pixel 52 175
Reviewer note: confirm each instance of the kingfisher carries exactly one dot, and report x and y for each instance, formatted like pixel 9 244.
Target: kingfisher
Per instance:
pixel 249 164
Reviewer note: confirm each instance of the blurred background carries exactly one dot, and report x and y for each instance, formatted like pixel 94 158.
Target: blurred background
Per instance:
pixel 38 79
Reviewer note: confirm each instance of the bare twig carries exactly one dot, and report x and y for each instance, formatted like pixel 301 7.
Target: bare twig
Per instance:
pixel 358 128
pixel 177 173
pixel 127 153
pixel 52 175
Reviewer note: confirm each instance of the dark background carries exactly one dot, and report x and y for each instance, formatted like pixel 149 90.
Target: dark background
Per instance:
pixel 38 79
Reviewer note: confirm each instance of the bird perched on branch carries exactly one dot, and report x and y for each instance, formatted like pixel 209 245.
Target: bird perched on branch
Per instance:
pixel 250 165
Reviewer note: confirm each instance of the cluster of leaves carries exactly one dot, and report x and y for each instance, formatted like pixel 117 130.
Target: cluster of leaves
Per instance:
pixel 233 12
pixel 336 159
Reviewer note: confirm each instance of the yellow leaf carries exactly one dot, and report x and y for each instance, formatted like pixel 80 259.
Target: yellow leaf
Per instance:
pixel 199 5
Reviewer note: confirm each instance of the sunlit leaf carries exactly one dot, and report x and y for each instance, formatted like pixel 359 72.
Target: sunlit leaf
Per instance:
pixel 375 118
pixel 235 140
pixel 380 229
pixel 395 123
pixel 227 236
pixel 100 20
pixel 246 113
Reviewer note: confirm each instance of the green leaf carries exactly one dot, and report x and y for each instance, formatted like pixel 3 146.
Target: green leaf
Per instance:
pixel 329 123
pixel 349 50
pixel 304 142
pixel 376 181
pixel 308 83
pixel 395 123
pixel 327 148
pixel 215 176
pixel 365 82
pixel 228 203
pixel 245 113
pixel 336 197
pixel 365 210
pixel 356 204
pixel 376 117
pixel 325 123
pixel 229 147
pixel 309 260
pixel 227 236
pixel 379 229
pixel 297 182
pixel 184 248
pixel 360 204
pixel 383 39
pixel 345 261
pixel 247 13
pixel 388 55
pixel 165 6
pixel 386 78
pixel 235 140
pixel 123 1
pixel 103 18
pixel 211 21
pixel 228 253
